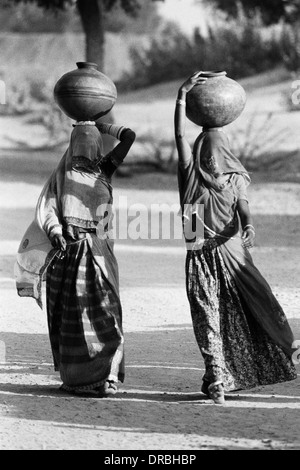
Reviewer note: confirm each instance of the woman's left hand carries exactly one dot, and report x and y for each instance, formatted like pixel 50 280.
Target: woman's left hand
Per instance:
pixel 193 80
pixel 58 241
pixel 248 238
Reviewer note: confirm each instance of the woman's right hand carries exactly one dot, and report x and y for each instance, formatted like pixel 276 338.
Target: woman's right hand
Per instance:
pixel 58 241
pixel 194 79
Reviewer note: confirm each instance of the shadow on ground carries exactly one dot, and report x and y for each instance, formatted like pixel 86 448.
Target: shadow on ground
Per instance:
pixel 161 393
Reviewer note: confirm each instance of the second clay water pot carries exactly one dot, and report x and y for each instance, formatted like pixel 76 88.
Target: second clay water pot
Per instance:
pixel 85 94
pixel 217 102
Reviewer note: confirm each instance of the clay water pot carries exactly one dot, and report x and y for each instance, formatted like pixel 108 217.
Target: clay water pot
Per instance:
pixel 85 94
pixel 217 102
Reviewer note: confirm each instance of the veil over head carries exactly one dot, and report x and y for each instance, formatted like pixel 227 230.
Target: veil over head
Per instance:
pixel 86 141
pixel 214 142
pixel 196 179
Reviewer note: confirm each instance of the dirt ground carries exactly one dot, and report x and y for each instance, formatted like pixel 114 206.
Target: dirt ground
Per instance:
pixel 160 406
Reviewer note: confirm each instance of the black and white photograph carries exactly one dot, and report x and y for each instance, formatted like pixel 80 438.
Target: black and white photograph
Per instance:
pixel 150 227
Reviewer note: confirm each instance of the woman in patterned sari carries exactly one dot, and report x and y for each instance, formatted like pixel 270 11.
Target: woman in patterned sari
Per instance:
pixel 240 328
pixel 69 244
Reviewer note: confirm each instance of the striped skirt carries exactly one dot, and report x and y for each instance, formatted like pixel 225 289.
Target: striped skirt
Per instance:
pixel 84 320
pixel 236 349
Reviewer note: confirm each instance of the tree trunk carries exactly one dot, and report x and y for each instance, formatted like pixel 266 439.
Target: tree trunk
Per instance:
pixel 92 19
pixel 91 14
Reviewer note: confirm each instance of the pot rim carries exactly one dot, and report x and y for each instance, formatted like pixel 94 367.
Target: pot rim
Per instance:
pixel 213 73
pixel 87 65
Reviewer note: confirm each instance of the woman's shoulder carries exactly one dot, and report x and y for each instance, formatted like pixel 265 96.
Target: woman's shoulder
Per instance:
pixel 238 178
pixel 239 184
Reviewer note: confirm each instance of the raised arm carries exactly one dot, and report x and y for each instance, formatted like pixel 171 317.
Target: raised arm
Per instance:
pixel 183 147
pixel 126 136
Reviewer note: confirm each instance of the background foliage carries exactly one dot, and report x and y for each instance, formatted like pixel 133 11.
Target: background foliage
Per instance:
pixel 242 47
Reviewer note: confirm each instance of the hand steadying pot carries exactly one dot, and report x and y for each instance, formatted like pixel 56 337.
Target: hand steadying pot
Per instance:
pixel 217 102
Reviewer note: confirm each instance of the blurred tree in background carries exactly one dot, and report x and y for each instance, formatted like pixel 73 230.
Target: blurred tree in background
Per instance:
pixel 243 47
pixel 30 18
pixel 244 34
pixel 271 10
pixel 94 17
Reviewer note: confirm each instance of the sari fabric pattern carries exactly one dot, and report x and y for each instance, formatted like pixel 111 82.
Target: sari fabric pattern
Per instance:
pixel 84 319
pixel 235 348
pixel 82 282
pixel 241 329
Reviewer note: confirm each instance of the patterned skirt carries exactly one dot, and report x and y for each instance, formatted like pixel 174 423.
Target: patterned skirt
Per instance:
pixel 235 348
pixel 84 320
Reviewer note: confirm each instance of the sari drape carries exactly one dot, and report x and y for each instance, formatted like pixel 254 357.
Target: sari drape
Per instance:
pixel 221 228
pixel 82 283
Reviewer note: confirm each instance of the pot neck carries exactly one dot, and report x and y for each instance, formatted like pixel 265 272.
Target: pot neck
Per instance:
pixel 87 65
pixel 213 74
pixel 212 129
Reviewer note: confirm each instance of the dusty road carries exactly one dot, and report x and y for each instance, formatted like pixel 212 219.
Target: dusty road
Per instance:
pixel 160 405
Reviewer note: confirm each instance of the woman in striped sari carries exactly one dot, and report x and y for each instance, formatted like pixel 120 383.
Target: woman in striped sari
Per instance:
pixel 84 310
pixel 240 328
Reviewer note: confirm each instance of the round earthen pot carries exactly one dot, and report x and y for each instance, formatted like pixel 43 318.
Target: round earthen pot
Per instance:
pixel 85 94
pixel 217 102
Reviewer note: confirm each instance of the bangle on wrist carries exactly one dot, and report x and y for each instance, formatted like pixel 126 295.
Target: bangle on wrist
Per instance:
pixel 249 227
pixel 180 102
